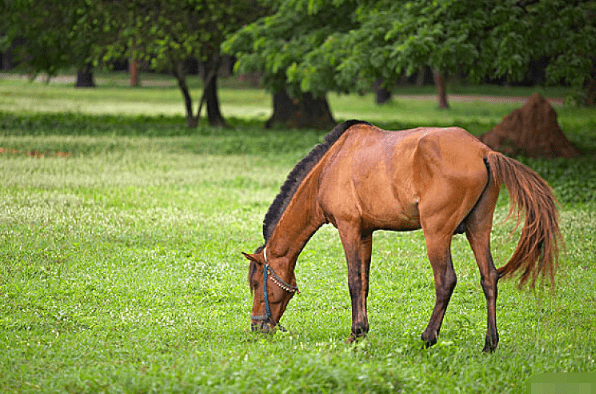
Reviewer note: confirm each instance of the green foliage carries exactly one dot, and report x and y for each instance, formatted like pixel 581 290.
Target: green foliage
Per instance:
pixel 55 34
pixel 321 46
pixel 478 37
pixel 277 45
pixel 166 33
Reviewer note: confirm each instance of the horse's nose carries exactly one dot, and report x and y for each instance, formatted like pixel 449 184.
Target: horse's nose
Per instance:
pixel 262 326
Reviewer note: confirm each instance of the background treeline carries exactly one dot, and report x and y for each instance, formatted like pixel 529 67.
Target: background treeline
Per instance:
pixel 303 49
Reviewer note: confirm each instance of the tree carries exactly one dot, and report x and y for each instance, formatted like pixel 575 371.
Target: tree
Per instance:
pixel 55 35
pixel 311 47
pixel 167 34
pixel 276 47
pixel 476 37
pixel 58 34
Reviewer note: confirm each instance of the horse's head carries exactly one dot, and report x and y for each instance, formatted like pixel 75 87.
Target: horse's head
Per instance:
pixel 271 291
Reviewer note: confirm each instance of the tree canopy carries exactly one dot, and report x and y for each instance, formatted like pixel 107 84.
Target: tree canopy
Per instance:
pixel 345 45
pixel 166 34
pixel 283 46
pixel 55 34
pixel 306 48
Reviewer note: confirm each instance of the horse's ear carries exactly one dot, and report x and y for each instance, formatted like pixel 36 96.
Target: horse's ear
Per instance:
pixel 251 257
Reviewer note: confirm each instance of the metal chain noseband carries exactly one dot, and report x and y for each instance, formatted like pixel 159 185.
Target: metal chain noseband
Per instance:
pixel 279 282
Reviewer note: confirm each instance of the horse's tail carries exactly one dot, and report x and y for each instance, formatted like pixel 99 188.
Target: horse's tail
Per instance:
pixel 538 247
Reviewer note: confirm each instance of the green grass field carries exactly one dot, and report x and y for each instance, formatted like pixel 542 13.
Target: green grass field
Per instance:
pixel 121 272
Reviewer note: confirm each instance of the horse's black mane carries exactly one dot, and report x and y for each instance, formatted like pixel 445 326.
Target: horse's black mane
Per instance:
pixel 298 174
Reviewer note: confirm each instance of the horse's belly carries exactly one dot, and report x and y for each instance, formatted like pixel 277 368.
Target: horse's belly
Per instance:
pixel 383 206
pixel 386 213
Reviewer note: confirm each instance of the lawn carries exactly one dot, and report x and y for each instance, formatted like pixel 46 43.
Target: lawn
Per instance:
pixel 121 272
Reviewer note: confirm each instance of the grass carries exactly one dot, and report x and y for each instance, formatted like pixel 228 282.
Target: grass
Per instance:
pixel 120 265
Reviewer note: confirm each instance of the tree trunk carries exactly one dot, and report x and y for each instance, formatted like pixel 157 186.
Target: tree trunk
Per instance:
pixel 133 70
pixel 180 74
pixel 209 97
pixel 307 112
pixel 590 88
pixel 420 76
pixel 133 64
pixel 85 77
pixel 214 116
pixel 382 95
pixel 440 84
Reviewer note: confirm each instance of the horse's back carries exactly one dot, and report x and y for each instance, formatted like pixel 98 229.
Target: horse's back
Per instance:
pixel 382 177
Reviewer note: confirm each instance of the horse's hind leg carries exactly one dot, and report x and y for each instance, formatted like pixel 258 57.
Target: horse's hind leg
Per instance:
pixel 478 227
pixel 439 254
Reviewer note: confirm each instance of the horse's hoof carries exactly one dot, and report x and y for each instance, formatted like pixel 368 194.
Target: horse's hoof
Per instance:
pixel 489 348
pixel 353 338
pixel 428 342
pixel 490 344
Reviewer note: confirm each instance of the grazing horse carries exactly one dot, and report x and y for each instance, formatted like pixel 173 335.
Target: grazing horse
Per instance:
pixel 442 180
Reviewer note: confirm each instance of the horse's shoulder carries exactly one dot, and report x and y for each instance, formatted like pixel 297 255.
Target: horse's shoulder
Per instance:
pixel 363 129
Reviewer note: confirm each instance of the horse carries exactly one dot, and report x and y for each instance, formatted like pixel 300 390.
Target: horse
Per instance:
pixel 442 180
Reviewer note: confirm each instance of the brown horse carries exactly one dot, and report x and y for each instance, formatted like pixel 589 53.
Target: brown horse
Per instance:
pixel 442 180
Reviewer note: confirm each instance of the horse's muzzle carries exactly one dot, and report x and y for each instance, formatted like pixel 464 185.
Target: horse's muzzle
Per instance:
pixel 262 326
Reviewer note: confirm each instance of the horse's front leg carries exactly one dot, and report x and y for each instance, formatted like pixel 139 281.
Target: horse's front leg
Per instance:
pixel 358 248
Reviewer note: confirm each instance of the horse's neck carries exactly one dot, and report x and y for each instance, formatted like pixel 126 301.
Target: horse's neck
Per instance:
pixel 301 219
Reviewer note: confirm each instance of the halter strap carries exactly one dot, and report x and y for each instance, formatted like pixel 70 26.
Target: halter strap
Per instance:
pixel 278 281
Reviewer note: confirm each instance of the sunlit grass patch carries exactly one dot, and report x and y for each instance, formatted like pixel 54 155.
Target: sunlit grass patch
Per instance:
pixel 120 271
